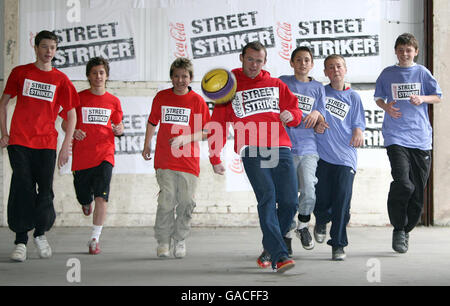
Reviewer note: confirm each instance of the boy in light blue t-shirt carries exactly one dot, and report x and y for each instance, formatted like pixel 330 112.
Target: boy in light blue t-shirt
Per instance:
pixel 337 139
pixel 311 97
pixel 404 91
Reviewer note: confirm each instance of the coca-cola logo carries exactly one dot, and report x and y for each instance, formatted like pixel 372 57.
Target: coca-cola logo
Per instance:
pixel 178 33
pixel 284 33
pixel 236 165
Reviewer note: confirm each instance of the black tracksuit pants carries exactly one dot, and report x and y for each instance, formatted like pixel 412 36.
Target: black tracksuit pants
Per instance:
pixel 410 169
pixel 30 202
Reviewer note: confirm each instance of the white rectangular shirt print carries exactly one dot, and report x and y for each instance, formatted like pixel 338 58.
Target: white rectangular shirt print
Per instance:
pixel 402 91
pixel 256 101
pixel 175 115
pixel 336 108
pixel 38 90
pixel 305 103
pixel 95 115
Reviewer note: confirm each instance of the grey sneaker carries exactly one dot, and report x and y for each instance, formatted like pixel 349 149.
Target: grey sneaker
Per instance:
pixel 179 249
pixel 338 254
pixel 305 238
pixel 399 241
pixel 163 250
pixel 20 253
pixel 320 232
pixel 44 249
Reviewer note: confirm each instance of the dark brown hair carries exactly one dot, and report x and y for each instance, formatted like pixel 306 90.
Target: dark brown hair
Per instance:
pixel 97 61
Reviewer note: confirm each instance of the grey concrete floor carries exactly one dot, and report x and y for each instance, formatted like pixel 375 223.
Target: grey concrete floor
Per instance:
pixel 227 257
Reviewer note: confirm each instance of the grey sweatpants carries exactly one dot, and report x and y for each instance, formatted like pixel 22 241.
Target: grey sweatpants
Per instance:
pixel 176 196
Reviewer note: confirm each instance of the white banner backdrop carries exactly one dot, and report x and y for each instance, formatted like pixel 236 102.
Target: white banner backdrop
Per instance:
pixel 83 33
pixel 214 36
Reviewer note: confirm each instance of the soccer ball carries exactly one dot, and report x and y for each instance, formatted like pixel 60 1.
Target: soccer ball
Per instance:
pixel 219 85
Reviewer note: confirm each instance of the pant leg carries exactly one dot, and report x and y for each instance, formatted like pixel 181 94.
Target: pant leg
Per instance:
pixel 402 188
pixel 186 186
pixel 165 216
pixel 22 192
pixel 420 171
pixel 324 193
pixel 44 168
pixel 340 210
pixel 264 188
pixel 307 183
pixel 285 179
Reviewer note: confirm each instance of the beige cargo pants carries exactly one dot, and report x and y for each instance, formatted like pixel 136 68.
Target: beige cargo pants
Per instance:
pixel 175 204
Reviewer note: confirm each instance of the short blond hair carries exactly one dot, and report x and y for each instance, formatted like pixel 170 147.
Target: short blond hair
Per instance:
pixel 182 63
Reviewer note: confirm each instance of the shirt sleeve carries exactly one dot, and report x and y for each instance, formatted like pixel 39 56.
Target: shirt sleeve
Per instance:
pixel 380 89
pixel 155 113
pixel 358 119
pixel 68 96
pixel 289 102
pixel 12 85
pixel 117 115
pixel 218 132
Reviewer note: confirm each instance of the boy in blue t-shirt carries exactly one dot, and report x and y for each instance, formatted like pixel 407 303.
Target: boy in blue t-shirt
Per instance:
pixel 311 100
pixel 337 139
pixel 404 91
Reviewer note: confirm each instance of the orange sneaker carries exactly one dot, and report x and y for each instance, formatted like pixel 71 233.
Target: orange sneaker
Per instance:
pixel 285 264
pixel 264 260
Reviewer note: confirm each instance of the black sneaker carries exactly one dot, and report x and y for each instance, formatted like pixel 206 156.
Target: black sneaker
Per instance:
pixel 264 260
pixel 338 254
pixel 288 242
pixel 399 243
pixel 305 238
pixel 320 232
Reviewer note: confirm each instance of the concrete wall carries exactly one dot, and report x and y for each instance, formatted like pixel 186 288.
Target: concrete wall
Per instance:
pixel 441 153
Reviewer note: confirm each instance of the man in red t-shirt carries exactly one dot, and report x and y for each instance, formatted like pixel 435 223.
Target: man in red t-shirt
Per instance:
pixel 99 119
pixel 32 140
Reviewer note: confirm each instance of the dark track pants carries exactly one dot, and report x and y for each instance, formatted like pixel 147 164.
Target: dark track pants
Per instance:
pixel 333 196
pixel 410 169
pixel 30 202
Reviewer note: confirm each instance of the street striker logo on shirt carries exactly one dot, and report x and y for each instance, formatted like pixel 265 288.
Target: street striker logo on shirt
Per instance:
pixel 95 115
pixel 175 115
pixel 41 91
pixel 336 108
pixel 256 101
pixel 404 91
pixel 305 103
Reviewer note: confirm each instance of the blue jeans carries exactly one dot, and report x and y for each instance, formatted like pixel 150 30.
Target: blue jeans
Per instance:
pixel 334 194
pixel 273 177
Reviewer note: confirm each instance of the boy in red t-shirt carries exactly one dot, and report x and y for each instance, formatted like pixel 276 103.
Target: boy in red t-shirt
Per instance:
pixel 32 140
pixel 99 119
pixel 182 115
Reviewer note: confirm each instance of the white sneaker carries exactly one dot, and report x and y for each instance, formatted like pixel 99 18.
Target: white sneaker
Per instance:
pixel 19 253
pixel 179 250
pixel 44 249
pixel 163 250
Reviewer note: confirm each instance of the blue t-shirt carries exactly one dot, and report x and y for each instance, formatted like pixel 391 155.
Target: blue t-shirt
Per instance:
pixel 413 128
pixel 344 112
pixel 311 96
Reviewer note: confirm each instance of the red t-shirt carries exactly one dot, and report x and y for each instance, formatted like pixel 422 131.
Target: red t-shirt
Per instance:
pixel 178 115
pixel 94 116
pixel 40 95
